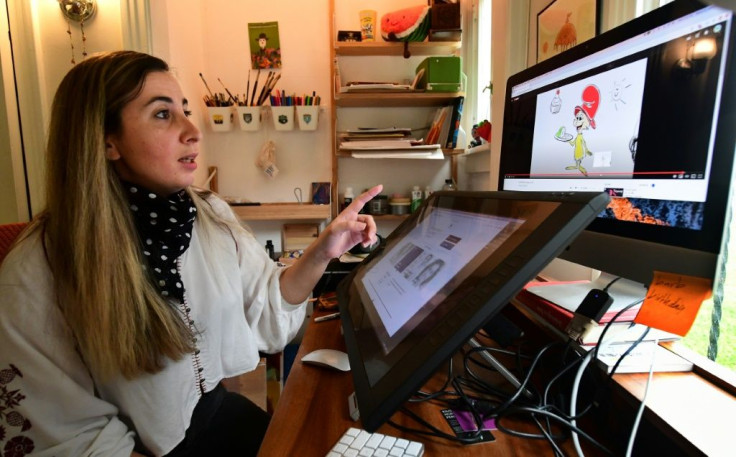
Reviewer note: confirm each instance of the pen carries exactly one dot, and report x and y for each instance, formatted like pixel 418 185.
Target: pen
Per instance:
pixel 327 317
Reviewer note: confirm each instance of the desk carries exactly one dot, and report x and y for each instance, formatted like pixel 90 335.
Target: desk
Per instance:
pixel 312 412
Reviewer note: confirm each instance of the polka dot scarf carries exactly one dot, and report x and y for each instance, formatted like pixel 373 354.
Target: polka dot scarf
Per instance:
pixel 165 228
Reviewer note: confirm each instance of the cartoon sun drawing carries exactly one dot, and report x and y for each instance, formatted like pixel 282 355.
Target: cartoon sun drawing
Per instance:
pixel 583 120
pixel 617 93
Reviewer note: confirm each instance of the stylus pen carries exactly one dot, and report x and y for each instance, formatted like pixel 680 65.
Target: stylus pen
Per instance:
pixel 328 317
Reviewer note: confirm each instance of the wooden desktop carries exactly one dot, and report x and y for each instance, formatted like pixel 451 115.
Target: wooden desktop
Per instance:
pixel 312 412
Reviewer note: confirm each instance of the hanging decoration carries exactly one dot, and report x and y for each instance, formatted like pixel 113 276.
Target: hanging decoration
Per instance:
pixel 77 11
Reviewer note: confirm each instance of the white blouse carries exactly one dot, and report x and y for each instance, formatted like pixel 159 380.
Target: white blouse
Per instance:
pixel 52 405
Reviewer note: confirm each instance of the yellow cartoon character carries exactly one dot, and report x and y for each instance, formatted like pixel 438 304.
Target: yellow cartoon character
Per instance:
pixel 584 119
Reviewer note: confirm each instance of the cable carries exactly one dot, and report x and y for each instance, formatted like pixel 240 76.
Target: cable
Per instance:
pixel 613 281
pixel 640 412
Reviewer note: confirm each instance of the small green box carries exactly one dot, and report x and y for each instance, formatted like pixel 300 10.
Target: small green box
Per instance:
pixel 441 74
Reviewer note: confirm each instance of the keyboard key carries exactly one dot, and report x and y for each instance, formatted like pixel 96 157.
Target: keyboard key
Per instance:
pixel 359 443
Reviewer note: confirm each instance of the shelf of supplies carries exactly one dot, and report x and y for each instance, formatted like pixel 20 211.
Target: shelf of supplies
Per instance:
pixel 446 152
pixel 390 217
pixel 279 211
pixel 382 99
pixel 385 48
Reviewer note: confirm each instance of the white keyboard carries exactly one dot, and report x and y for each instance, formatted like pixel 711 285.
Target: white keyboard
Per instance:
pixel 355 442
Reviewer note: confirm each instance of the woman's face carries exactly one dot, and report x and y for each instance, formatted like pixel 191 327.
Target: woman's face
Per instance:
pixel 157 145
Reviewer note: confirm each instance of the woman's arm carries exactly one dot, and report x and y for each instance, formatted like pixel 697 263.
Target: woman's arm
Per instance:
pixel 345 231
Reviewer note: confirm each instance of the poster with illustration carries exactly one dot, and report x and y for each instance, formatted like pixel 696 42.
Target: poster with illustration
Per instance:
pixel 265 47
pixel 564 24
pixel 590 127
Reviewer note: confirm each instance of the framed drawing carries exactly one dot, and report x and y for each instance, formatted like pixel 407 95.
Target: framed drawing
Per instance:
pixel 563 24
pixel 265 45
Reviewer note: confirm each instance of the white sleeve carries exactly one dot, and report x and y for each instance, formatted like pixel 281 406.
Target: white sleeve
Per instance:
pixel 47 400
pixel 274 321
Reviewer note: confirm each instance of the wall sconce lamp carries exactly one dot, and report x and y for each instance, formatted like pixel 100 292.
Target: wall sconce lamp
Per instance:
pixel 78 10
pixel 698 53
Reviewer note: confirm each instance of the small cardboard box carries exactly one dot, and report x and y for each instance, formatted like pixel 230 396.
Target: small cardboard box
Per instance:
pixel 298 236
pixel 441 74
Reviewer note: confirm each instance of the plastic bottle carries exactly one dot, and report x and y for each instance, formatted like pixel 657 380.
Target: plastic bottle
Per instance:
pixel 269 249
pixel 449 185
pixel 416 198
pixel 427 192
pixel 348 197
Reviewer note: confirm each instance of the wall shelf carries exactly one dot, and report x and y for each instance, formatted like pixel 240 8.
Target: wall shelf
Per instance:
pixel 446 152
pixel 282 211
pixel 387 48
pixel 382 99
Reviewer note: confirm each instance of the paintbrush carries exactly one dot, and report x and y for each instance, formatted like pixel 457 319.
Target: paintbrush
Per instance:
pixel 255 86
pixel 247 90
pixel 264 88
pixel 205 85
pixel 272 85
pixel 234 100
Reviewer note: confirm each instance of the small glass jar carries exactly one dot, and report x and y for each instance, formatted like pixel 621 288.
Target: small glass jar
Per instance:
pixel 378 205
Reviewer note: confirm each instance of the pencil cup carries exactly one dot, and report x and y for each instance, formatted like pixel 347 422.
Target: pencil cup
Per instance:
pixel 249 118
pixel 221 118
pixel 283 117
pixel 307 116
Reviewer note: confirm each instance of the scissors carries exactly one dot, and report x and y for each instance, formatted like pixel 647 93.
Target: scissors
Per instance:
pixel 298 194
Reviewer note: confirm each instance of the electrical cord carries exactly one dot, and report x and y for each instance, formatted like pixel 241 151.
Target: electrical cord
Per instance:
pixel 640 411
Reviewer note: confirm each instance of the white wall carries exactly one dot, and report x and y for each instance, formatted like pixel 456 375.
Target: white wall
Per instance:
pixel 42 56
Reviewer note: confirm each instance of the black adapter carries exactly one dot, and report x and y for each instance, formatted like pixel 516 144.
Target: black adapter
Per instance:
pixel 588 313
pixel 595 304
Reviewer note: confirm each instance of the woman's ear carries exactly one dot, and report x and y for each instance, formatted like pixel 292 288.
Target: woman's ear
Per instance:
pixel 111 150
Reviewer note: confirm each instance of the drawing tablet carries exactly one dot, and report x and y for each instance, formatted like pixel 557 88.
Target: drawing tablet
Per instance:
pixel 440 276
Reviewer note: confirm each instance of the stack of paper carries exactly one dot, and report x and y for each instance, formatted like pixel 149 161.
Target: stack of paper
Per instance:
pixel 387 143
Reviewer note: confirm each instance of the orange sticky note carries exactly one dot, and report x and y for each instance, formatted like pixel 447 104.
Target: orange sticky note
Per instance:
pixel 673 301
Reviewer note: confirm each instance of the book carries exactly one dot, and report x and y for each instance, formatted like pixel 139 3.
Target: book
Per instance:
pixel 558 319
pixel 457 114
pixel 533 296
pixel 440 125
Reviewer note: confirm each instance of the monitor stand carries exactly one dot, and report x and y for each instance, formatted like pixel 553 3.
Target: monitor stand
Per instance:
pixel 502 370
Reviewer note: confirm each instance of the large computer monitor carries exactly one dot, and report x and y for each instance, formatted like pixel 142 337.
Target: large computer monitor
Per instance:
pixel 439 277
pixel 647 113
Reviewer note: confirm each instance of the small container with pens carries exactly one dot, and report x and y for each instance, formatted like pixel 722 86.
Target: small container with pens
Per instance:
pixel 249 118
pixel 283 117
pixel 221 118
pixel 307 111
pixel 283 108
pixel 219 108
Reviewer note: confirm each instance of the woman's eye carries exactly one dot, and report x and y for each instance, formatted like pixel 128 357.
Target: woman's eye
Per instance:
pixel 187 112
pixel 163 114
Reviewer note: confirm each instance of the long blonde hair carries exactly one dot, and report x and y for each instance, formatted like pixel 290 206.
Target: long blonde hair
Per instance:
pixel 120 322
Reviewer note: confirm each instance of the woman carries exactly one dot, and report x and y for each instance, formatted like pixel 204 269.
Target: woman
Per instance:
pixel 132 295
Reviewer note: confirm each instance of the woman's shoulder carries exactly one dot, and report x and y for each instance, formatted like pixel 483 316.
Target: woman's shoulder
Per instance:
pixel 28 254
pixel 25 275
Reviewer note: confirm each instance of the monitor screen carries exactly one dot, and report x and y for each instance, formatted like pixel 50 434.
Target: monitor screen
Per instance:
pixel 440 276
pixel 645 112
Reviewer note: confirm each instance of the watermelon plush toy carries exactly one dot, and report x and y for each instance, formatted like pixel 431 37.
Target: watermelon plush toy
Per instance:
pixel 408 24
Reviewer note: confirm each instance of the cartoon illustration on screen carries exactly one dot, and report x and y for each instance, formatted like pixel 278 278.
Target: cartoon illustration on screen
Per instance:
pixel 556 104
pixel 583 120
pixel 617 92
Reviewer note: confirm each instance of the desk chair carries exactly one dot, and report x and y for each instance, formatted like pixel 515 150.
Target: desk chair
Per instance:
pixel 8 234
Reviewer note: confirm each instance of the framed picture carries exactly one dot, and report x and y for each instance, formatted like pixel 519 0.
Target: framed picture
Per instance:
pixel 265 45
pixel 321 193
pixel 563 24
